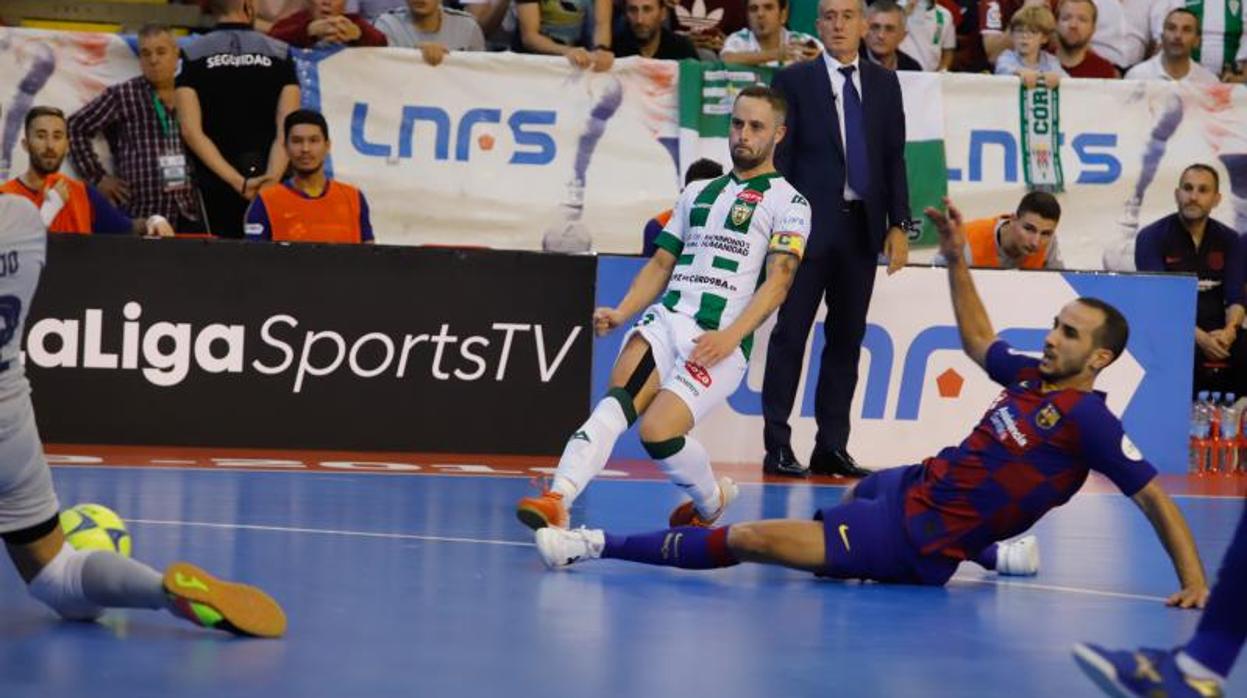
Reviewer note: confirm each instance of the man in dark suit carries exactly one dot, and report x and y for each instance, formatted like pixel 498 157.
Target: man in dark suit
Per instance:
pixel 845 152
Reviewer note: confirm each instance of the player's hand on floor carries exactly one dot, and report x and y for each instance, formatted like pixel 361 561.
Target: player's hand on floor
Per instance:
pixel 712 347
pixel 1191 597
pixel 606 319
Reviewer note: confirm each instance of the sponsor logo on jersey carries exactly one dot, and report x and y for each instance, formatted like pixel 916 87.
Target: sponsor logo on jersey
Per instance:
pixel 1048 416
pixel 1006 427
pixel 750 196
pixel 798 199
pixel 699 373
pixel 1129 450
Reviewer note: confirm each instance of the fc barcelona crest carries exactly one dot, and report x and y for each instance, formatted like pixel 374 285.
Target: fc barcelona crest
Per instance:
pixel 741 212
pixel 1047 417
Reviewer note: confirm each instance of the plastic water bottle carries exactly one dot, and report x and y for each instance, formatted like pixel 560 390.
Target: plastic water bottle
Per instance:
pixel 1213 407
pixel 1227 441
pixel 1201 429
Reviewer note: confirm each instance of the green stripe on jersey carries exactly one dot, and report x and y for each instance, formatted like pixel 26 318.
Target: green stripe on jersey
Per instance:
pixel 670 243
pixel 700 211
pixel 670 299
pixel 684 259
pixel 724 263
pixel 710 312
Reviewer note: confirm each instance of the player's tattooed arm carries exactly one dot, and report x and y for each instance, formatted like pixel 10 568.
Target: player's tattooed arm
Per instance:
pixel 715 345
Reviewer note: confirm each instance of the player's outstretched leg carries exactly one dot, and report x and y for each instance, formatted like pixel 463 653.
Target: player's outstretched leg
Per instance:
pixel 1015 558
pixel 791 543
pixel 634 382
pixel 1199 668
pixel 81 584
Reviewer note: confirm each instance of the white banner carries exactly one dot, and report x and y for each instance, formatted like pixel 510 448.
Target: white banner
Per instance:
pixel 1120 139
pixel 502 150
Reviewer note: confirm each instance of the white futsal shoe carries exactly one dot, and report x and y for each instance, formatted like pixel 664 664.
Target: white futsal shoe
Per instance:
pixel 560 547
pixel 1018 558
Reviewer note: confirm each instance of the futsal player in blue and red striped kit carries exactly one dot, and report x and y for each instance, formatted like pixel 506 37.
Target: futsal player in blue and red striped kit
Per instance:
pixel 1031 452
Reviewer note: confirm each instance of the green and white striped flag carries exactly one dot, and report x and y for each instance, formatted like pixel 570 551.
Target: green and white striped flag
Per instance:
pixel 707 91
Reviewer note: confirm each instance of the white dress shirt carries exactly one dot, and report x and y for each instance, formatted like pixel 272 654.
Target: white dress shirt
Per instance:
pixel 837 89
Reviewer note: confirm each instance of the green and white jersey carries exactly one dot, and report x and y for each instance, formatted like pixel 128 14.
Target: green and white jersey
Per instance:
pixel 721 233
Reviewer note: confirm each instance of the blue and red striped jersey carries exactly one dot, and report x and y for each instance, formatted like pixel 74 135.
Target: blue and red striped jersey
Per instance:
pixel 1030 453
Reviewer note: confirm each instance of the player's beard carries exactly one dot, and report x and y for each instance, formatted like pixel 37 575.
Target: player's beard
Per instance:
pixel 1062 369
pixel 41 164
pixel 744 163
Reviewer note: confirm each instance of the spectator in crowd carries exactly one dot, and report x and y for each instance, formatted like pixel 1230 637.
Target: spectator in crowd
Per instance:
pixel 1109 38
pixel 707 23
pixel 139 123
pixel 994 18
pixel 766 41
pixel 1030 29
pixel 1192 241
pixel 930 34
pixel 235 90
pixel 646 33
pixel 885 30
pixel 309 207
pixel 326 23
pixel 68 205
pixel 435 30
pixel 1221 48
pixel 1025 239
pixel 559 28
pixel 1179 38
pixel 497 20
pixel 969 56
pixel 1144 22
pixel 269 12
pixel 1076 23
pixel 703 168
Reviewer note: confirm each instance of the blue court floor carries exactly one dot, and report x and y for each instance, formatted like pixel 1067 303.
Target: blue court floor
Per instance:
pixel 427 586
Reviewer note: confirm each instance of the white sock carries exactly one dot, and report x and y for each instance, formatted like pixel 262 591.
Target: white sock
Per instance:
pixel 589 447
pixel 1194 669
pixel 689 469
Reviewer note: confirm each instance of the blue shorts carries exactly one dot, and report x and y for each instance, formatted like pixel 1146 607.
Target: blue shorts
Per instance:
pixel 865 538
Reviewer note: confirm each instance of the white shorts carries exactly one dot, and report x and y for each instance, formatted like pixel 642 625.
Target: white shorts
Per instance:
pixel 670 336
pixel 26 495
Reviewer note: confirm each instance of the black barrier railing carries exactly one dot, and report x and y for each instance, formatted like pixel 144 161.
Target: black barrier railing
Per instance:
pixel 212 343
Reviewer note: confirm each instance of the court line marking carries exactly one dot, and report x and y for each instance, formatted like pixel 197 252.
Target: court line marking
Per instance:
pixel 333 532
pixel 1057 588
pixel 521 544
pixel 505 476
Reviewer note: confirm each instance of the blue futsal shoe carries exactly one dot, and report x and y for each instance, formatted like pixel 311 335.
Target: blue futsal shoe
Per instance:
pixel 1149 673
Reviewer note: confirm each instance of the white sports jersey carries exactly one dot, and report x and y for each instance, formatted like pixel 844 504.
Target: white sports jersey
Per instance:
pixel 721 233
pixel 929 31
pixel 743 41
pixel 23 249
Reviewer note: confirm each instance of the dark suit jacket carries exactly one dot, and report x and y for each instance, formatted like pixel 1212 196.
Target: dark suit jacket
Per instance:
pixel 811 156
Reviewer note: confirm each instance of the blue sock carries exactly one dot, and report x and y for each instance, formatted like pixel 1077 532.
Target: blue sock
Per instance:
pixel 687 547
pixel 1223 627
pixel 987 557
